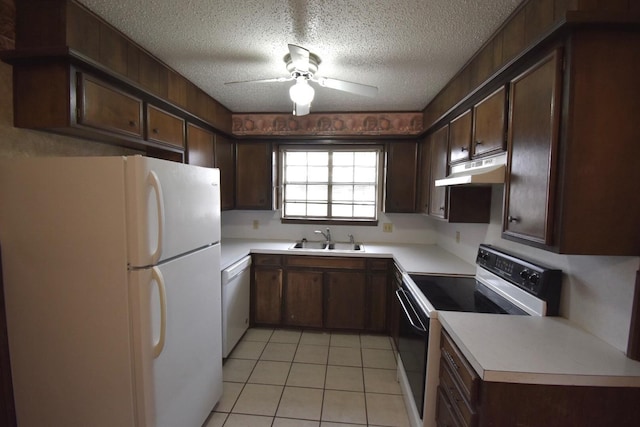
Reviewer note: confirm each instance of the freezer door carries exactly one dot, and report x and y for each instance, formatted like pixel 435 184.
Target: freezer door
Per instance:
pixel 177 339
pixel 172 208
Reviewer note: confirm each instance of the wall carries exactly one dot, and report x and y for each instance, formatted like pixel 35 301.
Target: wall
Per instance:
pixel 597 291
pixel 407 228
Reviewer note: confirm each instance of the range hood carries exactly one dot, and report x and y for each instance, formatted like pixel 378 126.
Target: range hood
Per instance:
pixel 483 171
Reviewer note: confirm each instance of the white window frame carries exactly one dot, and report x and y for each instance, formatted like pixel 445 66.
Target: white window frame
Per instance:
pixel 379 149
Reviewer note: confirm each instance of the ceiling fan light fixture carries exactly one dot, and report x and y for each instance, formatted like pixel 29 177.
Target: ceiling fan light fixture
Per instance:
pixel 301 92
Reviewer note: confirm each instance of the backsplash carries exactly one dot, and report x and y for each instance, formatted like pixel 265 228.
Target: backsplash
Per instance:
pixel 407 228
pixel 597 291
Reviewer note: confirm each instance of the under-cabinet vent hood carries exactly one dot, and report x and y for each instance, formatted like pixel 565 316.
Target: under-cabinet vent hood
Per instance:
pixel 483 171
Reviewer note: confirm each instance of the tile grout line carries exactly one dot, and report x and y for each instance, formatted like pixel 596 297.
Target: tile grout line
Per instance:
pixel 326 365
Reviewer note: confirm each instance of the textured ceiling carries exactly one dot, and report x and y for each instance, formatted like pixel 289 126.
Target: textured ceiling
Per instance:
pixel 409 49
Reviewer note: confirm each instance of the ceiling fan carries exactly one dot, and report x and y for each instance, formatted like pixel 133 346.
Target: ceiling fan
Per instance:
pixel 303 66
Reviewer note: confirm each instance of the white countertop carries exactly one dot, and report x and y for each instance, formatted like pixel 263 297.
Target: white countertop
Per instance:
pixel 537 350
pixel 412 258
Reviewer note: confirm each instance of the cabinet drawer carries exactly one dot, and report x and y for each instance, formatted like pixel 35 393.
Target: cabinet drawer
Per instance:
pixel 259 259
pixel 164 127
pixel 452 389
pixel 461 371
pixel 326 262
pixel 445 416
pixel 104 107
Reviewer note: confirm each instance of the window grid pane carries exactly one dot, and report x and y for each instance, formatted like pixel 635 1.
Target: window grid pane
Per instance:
pixel 330 184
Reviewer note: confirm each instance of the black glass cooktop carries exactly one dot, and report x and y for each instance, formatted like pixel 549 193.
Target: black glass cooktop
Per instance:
pixel 448 293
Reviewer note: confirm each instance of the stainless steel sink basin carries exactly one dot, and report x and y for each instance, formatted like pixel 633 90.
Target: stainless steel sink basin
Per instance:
pixel 346 246
pixel 322 246
pixel 309 245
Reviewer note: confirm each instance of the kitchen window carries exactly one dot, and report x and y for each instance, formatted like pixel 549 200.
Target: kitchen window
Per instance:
pixel 330 184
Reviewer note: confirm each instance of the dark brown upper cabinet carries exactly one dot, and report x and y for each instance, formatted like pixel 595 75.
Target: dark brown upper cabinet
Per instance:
pixel 401 179
pixel 460 138
pixel 533 143
pixel 225 155
pixel 200 146
pixel 424 169
pixel 254 176
pixel 439 142
pixel 573 140
pixel 489 121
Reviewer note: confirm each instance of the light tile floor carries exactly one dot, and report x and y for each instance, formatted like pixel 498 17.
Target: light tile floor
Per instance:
pixel 285 378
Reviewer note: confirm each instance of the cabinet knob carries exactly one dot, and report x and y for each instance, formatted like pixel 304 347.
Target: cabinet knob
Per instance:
pixel 132 123
pixel 442 208
pixel 155 130
pixel 479 142
pixel 513 218
pixel 463 149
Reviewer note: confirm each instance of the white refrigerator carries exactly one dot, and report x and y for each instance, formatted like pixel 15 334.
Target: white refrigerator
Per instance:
pixel 112 288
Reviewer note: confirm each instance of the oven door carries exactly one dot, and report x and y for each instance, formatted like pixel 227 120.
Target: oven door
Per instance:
pixel 413 344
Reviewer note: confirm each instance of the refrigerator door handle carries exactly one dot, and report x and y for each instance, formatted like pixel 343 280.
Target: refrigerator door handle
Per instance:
pixel 157 277
pixel 155 183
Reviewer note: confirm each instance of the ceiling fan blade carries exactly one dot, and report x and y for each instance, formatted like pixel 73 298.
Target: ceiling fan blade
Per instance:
pixel 275 80
pixel 301 109
pixel 357 88
pixel 299 57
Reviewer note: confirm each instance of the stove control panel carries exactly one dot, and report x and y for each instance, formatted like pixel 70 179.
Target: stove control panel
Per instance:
pixel 539 280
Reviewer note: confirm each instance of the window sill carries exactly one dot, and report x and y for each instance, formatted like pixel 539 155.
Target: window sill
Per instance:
pixel 325 221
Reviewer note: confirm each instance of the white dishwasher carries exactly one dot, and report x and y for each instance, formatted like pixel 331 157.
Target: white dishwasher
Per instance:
pixel 236 281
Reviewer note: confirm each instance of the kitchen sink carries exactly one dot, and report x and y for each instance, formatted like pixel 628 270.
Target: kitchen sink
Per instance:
pixel 323 246
pixel 309 245
pixel 346 246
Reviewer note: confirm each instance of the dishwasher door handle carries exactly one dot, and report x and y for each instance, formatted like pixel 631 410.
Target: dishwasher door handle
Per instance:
pixel 236 269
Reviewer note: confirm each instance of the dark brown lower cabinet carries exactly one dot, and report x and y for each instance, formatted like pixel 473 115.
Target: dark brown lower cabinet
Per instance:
pixel 377 295
pixel 266 296
pixel 465 400
pixel 344 299
pixel 330 292
pixel 303 298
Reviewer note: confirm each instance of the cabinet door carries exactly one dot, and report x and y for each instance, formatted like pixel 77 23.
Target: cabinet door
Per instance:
pixel 488 124
pixel 254 176
pixel 344 300
pixel 200 146
pixel 438 195
pixel 460 138
pixel 225 161
pixel 423 176
pixel 533 134
pixel 377 299
pixel 303 298
pixel 402 165
pixel 104 107
pixel 164 127
pixel 266 296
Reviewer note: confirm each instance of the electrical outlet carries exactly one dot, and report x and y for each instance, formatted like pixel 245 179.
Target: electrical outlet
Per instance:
pixel 387 227
pixel 457 237
pixel 256 224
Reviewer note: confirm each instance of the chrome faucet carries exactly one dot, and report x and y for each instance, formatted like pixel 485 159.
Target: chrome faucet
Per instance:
pixel 351 239
pixel 327 235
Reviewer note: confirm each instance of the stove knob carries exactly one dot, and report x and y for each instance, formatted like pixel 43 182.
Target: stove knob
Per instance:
pixel 533 278
pixel 525 274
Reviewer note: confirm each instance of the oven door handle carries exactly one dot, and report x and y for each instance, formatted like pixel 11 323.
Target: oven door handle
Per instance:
pixel 404 302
